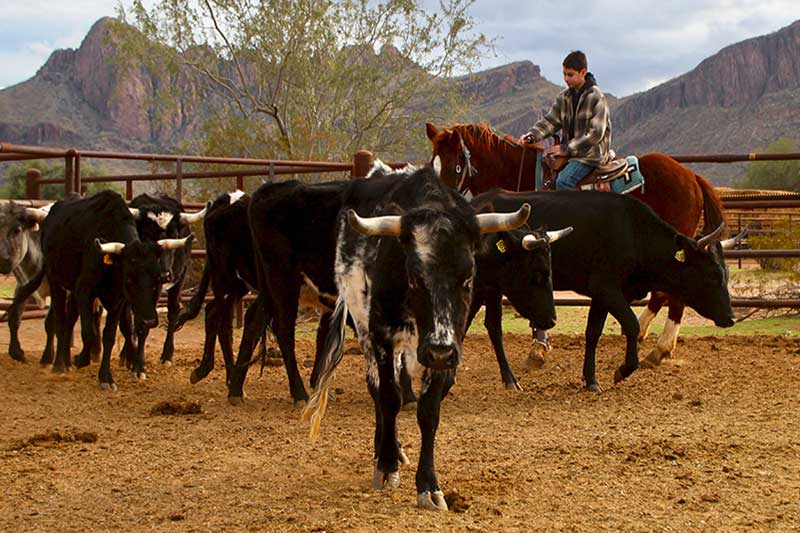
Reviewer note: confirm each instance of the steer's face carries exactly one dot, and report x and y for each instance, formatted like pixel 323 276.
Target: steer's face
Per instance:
pixel 440 267
pixel 703 280
pixel 523 276
pixel 155 223
pixel 141 275
pixel 14 223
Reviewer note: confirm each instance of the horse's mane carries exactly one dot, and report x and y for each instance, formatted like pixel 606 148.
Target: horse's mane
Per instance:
pixel 481 137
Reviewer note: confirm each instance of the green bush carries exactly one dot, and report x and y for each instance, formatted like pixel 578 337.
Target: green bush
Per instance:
pixel 784 235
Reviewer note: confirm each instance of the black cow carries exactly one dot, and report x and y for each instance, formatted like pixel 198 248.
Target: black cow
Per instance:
pixel 230 270
pixel 619 251
pixel 160 217
pixel 91 249
pixel 407 296
pixel 21 255
pixel 515 264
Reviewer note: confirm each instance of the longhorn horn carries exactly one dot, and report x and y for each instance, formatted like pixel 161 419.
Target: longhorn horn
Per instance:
pixel 134 212
pixel 384 226
pixel 235 196
pixel 733 241
pixel 109 247
pixel 494 222
pixel 531 241
pixel 711 238
pixel 174 244
pixel 191 218
pixel 553 236
pixel 37 214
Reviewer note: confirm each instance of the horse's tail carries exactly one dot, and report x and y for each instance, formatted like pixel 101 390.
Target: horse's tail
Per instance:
pixel 192 309
pixel 334 349
pixel 713 212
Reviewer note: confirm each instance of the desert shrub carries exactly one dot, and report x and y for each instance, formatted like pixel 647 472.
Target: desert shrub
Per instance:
pixel 785 235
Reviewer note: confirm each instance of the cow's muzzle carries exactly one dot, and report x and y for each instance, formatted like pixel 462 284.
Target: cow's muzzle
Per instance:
pixel 440 356
pixel 165 277
pixel 725 323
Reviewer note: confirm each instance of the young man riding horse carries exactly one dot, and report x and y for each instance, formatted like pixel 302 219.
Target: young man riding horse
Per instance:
pixel 581 113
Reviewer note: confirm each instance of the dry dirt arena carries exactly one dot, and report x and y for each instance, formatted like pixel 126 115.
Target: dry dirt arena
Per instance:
pixel 709 441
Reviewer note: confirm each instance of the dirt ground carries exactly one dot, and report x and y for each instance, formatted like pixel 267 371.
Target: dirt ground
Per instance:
pixel 708 441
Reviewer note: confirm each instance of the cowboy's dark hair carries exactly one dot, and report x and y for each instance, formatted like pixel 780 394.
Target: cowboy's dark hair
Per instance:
pixel 576 60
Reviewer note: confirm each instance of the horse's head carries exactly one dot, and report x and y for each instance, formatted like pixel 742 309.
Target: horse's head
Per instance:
pixel 449 146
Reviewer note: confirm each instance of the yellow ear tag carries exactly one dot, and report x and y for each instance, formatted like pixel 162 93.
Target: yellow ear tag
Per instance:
pixel 501 245
pixel 680 255
pixel 107 259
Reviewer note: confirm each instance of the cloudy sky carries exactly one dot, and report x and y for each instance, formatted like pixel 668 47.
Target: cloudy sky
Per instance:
pixel 631 45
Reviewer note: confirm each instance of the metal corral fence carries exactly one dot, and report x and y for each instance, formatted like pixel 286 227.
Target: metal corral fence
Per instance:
pixel 758 212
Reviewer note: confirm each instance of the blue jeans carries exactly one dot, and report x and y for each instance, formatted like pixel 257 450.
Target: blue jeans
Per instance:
pixel 569 177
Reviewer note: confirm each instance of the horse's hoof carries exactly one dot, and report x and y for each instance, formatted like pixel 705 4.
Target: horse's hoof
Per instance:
pixel 108 386
pixel 385 480
pixel 235 400
pixel 432 501
pixel 410 406
pixel 515 386
pixel 535 359
pixel 652 360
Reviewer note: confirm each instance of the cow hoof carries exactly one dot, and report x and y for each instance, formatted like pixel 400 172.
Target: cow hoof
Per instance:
pixel 594 387
pixel 108 386
pixel 652 360
pixel 385 480
pixel 81 361
pixel 514 386
pixel 410 406
pixel 618 375
pixel 235 400
pixel 432 501
pixel 300 404
pixel 194 377
pixel 139 376
pixel 17 355
pixel 168 362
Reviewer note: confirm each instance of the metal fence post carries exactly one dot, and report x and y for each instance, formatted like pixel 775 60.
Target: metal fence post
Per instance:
pixel 69 172
pixel 362 162
pixel 32 185
pixel 77 174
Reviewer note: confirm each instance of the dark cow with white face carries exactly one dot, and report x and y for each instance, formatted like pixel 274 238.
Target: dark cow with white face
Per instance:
pixel 92 250
pixel 160 217
pixel 404 271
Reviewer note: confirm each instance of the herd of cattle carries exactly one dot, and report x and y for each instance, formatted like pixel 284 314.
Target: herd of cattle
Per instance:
pixel 401 258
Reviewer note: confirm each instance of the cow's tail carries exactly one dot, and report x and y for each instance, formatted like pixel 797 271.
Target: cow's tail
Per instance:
pixel 713 212
pixel 21 295
pixel 332 355
pixel 192 309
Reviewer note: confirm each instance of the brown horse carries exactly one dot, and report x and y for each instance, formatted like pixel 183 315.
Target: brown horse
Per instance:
pixel 475 159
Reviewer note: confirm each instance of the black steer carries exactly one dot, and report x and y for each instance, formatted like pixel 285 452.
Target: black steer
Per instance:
pixel 91 249
pixel 618 252
pixel 405 275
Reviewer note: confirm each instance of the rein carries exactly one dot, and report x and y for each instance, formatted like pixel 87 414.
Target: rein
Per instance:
pixel 521 164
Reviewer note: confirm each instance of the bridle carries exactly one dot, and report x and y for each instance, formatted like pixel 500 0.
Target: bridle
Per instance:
pixel 467 172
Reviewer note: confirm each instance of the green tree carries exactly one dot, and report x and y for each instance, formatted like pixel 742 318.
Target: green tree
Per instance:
pixel 779 175
pixel 14 186
pixel 310 79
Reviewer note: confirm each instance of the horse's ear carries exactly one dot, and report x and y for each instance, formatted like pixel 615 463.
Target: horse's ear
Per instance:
pixel 432 130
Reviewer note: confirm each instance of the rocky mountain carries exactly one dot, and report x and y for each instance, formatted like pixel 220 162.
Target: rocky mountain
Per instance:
pixel 741 98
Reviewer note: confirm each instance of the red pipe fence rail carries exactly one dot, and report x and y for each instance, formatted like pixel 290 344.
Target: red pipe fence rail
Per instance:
pixel 359 167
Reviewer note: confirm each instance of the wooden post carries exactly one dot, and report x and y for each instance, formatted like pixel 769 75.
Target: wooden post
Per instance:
pixel 362 163
pixel 69 172
pixel 272 172
pixel 128 190
pixel 32 185
pixel 77 175
pixel 739 231
pixel 179 180
pixel 240 183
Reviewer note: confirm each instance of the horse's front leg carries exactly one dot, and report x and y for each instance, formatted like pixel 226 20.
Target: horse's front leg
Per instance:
pixel 435 386
pixel 669 337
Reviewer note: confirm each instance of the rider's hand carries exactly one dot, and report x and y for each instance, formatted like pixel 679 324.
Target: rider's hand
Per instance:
pixel 553 150
pixel 525 138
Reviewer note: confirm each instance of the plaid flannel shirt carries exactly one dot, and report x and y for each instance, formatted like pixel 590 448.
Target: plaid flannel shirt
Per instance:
pixel 592 141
